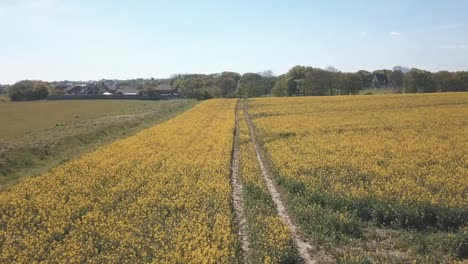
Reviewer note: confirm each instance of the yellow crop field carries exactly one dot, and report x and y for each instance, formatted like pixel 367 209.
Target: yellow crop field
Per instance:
pixel 347 179
pixel 397 160
pixel 271 240
pixel 160 196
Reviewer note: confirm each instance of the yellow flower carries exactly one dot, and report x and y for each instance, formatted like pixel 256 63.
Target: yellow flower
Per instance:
pixel 162 195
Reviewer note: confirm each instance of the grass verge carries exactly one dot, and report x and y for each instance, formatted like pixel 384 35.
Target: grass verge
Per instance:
pixel 43 149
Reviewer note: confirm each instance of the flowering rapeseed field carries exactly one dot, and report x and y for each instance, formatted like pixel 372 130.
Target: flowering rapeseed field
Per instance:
pixel 348 167
pixel 162 195
pixel 372 178
pixel 271 240
pixel 396 159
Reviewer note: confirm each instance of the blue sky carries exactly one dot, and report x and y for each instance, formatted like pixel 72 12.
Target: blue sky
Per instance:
pixel 87 39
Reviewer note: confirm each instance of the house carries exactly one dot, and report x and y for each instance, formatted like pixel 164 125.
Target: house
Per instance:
pixel 99 88
pixel 61 87
pixel 92 88
pixel 380 80
pixel 166 91
pixel 124 89
pixel 110 85
pixel 75 90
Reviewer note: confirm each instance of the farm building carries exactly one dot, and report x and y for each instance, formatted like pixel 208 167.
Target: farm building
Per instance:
pixel 380 80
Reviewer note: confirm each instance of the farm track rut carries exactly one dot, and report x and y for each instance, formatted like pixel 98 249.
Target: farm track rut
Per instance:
pixel 303 247
pixel 238 193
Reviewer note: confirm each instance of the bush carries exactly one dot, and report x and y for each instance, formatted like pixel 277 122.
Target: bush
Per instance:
pixel 205 93
pixel 60 92
pixel 29 91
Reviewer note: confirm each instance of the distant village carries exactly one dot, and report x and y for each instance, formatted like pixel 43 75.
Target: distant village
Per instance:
pixel 136 87
pixel 298 81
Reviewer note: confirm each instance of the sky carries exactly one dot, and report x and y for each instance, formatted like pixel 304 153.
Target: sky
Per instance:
pixel 91 40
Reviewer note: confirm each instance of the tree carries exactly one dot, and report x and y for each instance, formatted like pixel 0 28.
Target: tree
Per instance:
pixel 203 86
pixel 251 85
pixel 280 86
pixel 316 82
pixel 302 80
pixel 294 80
pixel 228 83
pixel 450 81
pixel 420 81
pixel 397 78
pixel 456 84
pixel 4 89
pixel 147 88
pixel 383 71
pixel 310 81
pixel 269 79
pixel 190 85
pixel 350 83
pixel 463 77
pixel 30 90
pixel 228 86
pixel 332 76
pixel 405 71
pixel 332 69
pixel 366 78
pixel 443 80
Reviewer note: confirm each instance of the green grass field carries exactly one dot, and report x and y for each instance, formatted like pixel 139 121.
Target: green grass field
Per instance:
pixel 21 118
pixel 36 136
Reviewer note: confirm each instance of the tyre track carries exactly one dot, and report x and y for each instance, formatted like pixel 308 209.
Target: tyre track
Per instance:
pixel 238 193
pixel 303 247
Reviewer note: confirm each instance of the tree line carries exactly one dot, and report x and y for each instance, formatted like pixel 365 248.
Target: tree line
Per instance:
pixel 298 81
pixel 311 81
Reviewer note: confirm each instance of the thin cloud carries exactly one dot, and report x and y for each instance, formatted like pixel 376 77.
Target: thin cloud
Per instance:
pixel 363 33
pixel 395 33
pixel 37 5
pixel 39 11
pixel 448 26
pixel 460 46
pixel 42 4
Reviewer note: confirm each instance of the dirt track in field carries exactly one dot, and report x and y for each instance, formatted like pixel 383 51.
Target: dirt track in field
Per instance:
pixel 237 193
pixel 303 247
